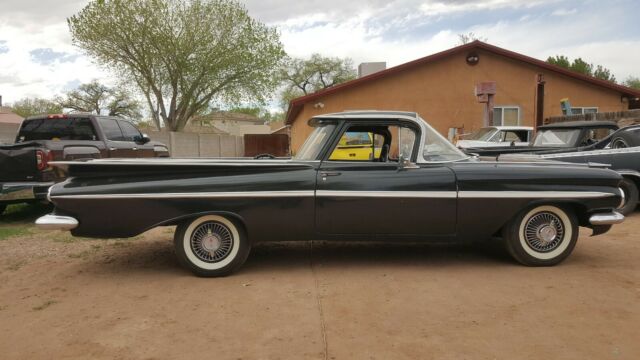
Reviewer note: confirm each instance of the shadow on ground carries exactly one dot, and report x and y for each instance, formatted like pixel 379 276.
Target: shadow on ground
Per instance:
pixel 158 256
pixel 24 213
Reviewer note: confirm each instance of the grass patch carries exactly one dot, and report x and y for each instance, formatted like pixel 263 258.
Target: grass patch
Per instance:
pixel 45 305
pixel 8 232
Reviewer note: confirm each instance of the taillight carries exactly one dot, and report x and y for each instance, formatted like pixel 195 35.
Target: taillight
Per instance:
pixel 43 157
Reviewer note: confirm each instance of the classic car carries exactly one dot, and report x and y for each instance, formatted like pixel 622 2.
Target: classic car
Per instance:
pixel 558 136
pixel 422 189
pixel 495 136
pixel 620 151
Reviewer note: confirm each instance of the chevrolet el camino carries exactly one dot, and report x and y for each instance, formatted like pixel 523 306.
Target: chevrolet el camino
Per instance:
pixel 416 187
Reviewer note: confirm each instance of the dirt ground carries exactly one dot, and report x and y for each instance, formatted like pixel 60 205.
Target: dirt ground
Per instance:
pixel 62 297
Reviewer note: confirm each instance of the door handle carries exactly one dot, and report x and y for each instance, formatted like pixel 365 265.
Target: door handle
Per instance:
pixel 112 149
pixel 326 174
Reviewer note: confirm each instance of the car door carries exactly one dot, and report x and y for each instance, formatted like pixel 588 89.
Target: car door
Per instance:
pixel 116 143
pixel 377 195
pixel 133 136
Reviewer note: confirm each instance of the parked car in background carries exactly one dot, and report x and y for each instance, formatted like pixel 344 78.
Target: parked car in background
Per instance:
pixel 619 151
pixel 558 136
pixel 422 189
pixel 493 136
pixel 25 173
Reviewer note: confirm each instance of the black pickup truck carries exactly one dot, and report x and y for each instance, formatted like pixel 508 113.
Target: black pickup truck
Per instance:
pixel 25 174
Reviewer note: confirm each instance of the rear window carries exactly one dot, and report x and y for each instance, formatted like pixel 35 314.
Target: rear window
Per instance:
pixel 57 129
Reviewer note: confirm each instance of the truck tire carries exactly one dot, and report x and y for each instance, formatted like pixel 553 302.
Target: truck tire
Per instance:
pixel 630 190
pixel 211 245
pixel 541 236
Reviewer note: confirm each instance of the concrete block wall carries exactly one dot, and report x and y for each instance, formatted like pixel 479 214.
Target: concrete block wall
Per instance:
pixel 8 133
pixel 182 144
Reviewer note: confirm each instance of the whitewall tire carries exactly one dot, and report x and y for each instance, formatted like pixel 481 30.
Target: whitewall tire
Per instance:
pixel 211 245
pixel 541 236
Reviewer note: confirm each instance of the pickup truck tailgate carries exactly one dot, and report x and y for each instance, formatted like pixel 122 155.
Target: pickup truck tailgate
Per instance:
pixel 18 163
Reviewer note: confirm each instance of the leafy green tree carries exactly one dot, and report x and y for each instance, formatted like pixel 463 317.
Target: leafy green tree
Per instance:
pixel 183 55
pixel 302 77
pixel 35 106
pixel 581 66
pixel 632 82
pixel 97 98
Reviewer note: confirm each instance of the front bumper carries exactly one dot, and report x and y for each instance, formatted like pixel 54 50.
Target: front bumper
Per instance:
pixel 14 192
pixel 609 218
pixel 56 222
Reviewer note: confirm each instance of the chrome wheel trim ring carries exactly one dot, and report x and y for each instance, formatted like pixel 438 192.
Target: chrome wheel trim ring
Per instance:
pixel 564 242
pixel 544 232
pixel 211 241
pixel 194 259
pixel 619 144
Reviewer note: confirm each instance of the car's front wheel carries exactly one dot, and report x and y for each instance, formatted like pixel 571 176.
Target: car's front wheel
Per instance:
pixel 630 190
pixel 211 245
pixel 542 236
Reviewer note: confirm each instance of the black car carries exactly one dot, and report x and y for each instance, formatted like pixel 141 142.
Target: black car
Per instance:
pixel 619 151
pixel 414 185
pixel 564 136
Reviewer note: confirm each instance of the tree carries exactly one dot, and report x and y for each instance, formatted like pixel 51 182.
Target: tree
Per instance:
pixel 182 54
pixel 632 82
pixel 470 37
pixel 581 66
pixel 97 98
pixel 35 106
pixel 302 77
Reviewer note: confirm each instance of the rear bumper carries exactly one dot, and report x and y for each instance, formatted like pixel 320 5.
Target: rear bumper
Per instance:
pixel 13 192
pixel 609 218
pixel 55 222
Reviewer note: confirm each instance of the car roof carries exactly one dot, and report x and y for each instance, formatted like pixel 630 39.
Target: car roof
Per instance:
pixel 580 124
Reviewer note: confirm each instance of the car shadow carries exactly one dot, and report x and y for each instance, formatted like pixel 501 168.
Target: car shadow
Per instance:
pixel 159 257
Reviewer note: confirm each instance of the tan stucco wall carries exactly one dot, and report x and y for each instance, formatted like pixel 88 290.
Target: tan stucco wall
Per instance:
pixel 442 92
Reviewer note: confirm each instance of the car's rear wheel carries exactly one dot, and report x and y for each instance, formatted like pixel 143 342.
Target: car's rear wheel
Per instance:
pixel 211 245
pixel 541 236
pixel 3 207
pixel 630 190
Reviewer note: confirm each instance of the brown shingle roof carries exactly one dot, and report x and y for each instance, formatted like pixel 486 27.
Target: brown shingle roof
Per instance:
pixel 295 106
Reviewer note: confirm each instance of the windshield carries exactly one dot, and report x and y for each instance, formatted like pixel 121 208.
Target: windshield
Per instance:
pixel 439 149
pixel 557 137
pixel 483 134
pixel 313 145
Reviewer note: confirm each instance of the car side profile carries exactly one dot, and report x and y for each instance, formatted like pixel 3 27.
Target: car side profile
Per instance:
pixel 419 187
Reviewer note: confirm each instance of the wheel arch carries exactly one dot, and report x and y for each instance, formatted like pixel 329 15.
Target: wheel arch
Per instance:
pixel 234 217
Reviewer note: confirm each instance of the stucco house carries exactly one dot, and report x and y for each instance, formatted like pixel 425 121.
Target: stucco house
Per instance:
pixel 442 88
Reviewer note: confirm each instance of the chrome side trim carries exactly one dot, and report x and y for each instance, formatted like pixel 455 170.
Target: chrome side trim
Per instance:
pixel 533 194
pixel 611 218
pixel 631 150
pixel 204 195
pixel 55 222
pixel 388 194
pixel 622 198
pixel 20 191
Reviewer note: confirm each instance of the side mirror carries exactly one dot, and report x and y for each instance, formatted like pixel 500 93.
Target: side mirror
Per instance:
pixel 405 164
pixel 142 139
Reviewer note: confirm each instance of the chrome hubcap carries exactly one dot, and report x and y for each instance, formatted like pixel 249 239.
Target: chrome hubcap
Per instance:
pixel 211 241
pixel 544 232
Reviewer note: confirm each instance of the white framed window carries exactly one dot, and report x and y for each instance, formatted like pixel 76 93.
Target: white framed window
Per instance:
pixel 583 110
pixel 506 115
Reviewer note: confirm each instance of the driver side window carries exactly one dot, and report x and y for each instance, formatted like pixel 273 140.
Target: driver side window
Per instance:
pixel 380 143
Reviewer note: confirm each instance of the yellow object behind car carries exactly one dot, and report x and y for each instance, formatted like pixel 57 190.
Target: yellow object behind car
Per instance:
pixel 356 146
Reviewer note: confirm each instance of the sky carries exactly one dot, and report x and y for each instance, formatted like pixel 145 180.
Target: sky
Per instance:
pixel 37 58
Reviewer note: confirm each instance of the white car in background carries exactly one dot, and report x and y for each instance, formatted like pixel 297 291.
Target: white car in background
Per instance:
pixel 492 136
